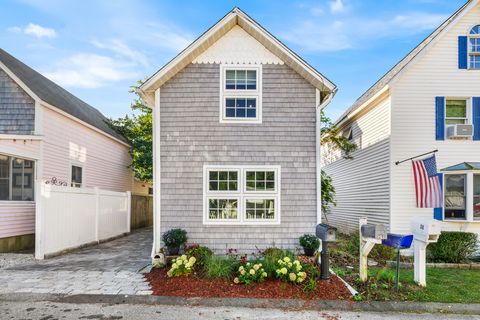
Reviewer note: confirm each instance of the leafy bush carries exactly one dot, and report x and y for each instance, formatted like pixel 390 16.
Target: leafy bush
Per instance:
pixel 309 241
pixel 182 266
pixel 199 252
pixel 386 275
pixel 269 265
pixel 220 267
pixel 453 247
pixel 174 238
pixel 290 271
pixel 379 253
pixel 275 253
pixel 312 271
pixel 250 273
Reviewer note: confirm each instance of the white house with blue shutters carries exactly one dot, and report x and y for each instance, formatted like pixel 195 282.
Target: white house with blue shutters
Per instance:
pixel 429 100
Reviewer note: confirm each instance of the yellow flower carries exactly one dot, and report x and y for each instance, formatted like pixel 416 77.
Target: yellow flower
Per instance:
pixel 169 274
pixel 256 267
pixel 292 276
pixel 184 257
pixel 296 262
pixel 286 259
pixel 300 280
pixel 192 260
pixel 252 271
pixel 242 272
pixel 236 280
pixel 284 270
pixel 240 269
pixel 179 262
pixel 299 267
pixel 248 264
pixel 264 274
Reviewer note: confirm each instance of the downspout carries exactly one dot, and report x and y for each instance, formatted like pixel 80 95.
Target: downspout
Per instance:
pixel 319 107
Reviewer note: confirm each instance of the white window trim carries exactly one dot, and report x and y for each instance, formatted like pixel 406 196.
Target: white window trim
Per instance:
pixel 469 47
pixel 469 112
pixel 229 93
pixel 76 164
pixel 468 196
pixel 242 195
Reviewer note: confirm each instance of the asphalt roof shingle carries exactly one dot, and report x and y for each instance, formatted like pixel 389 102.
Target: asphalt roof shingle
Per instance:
pixel 55 95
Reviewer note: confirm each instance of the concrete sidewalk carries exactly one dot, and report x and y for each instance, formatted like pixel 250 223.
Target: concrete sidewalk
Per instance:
pixel 108 268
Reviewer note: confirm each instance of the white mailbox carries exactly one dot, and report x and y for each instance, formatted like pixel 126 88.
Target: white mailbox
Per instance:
pixel 425 231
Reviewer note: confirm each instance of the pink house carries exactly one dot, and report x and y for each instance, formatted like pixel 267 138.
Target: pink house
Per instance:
pixel 49 135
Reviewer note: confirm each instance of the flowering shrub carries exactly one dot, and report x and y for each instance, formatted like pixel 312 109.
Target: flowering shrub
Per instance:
pixel 199 252
pixel 182 266
pixel 250 273
pixel 290 271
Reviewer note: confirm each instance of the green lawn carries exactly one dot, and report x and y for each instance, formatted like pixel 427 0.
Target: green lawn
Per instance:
pixel 443 285
pixel 447 285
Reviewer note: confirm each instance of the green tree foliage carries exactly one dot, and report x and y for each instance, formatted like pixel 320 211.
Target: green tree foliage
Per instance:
pixel 137 130
pixel 331 136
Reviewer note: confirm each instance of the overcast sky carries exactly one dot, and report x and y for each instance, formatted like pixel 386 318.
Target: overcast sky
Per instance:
pixel 97 49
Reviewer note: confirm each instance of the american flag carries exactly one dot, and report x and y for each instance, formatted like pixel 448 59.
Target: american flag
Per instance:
pixel 428 189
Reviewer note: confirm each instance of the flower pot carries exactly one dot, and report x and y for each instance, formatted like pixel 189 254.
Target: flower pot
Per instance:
pixel 309 252
pixel 173 251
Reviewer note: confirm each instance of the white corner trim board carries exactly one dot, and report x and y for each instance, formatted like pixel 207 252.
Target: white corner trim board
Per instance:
pixel 237 47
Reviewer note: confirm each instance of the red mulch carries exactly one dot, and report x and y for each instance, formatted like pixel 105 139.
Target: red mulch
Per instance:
pixel 195 286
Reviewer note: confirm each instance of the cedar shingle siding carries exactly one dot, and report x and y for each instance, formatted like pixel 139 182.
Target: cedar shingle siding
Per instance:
pixel 191 136
pixel 17 109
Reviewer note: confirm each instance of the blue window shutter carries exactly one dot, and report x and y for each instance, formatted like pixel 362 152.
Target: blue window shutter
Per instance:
pixel 440 118
pixel 462 52
pixel 476 117
pixel 438 212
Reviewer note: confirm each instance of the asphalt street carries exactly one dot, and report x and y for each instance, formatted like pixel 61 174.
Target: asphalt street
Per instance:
pixel 52 310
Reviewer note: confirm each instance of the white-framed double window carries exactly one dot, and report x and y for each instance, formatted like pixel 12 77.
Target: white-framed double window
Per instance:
pixel 462 196
pixel 241 194
pixel 240 94
pixel 474 48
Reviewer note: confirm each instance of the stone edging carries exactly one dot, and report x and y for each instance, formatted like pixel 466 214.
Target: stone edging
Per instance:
pixel 374 306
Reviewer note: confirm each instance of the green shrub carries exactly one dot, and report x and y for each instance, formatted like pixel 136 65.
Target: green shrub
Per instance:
pixel 220 267
pixel 182 266
pixel 453 247
pixel 312 271
pixel 309 241
pixel 199 252
pixel 174 238
pixel 249 273
pixel 277 253
pixel 290 271
pixel 269 265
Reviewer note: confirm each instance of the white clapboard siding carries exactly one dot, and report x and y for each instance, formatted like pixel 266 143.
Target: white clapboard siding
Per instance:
pixel 16 218
pixel 362 184
pixel 105 162
pixel 435 73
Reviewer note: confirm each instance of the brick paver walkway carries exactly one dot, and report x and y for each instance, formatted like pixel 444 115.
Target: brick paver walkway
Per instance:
pixel 109 268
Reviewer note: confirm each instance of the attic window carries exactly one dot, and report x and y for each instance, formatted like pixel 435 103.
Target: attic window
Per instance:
pixel 474 47
pixel 348 133
pixel 240 94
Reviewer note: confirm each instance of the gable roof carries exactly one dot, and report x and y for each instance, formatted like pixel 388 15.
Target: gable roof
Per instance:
pixel 235 17
pixel 51 93
pixel 402 64
pixel 463 166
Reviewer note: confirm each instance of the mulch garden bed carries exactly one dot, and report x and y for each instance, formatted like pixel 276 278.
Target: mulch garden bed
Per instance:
pixel 196 286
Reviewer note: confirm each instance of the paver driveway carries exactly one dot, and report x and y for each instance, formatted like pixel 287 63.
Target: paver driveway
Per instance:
pixel 109 268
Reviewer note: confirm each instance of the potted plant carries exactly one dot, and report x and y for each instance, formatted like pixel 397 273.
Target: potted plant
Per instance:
pixel 310 244
pixel 173 239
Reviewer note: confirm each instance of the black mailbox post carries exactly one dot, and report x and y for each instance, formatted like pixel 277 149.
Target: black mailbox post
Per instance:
pixel 327 234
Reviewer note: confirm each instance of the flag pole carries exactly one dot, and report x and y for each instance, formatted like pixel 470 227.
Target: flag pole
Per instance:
pixel 420 155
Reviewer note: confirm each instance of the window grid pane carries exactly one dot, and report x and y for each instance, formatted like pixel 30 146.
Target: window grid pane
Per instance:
pixel 241 79
pixel 223 181
pixel 4 177
pixel 240 107
pixel 456 112
pixel 260 181
pixel 260 209
pixel 222 209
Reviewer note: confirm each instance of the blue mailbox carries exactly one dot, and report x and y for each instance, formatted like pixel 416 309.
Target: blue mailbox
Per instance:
pixel 399 242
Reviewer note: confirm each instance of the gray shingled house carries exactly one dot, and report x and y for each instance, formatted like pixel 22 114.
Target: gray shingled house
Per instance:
pixel 236 139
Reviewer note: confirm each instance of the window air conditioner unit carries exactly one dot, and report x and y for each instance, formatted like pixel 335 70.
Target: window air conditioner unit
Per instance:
pixel 459 131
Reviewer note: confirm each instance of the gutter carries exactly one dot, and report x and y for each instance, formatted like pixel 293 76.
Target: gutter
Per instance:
pixel 319 107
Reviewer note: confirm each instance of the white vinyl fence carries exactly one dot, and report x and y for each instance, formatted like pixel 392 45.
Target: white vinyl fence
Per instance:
pixel 69 217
